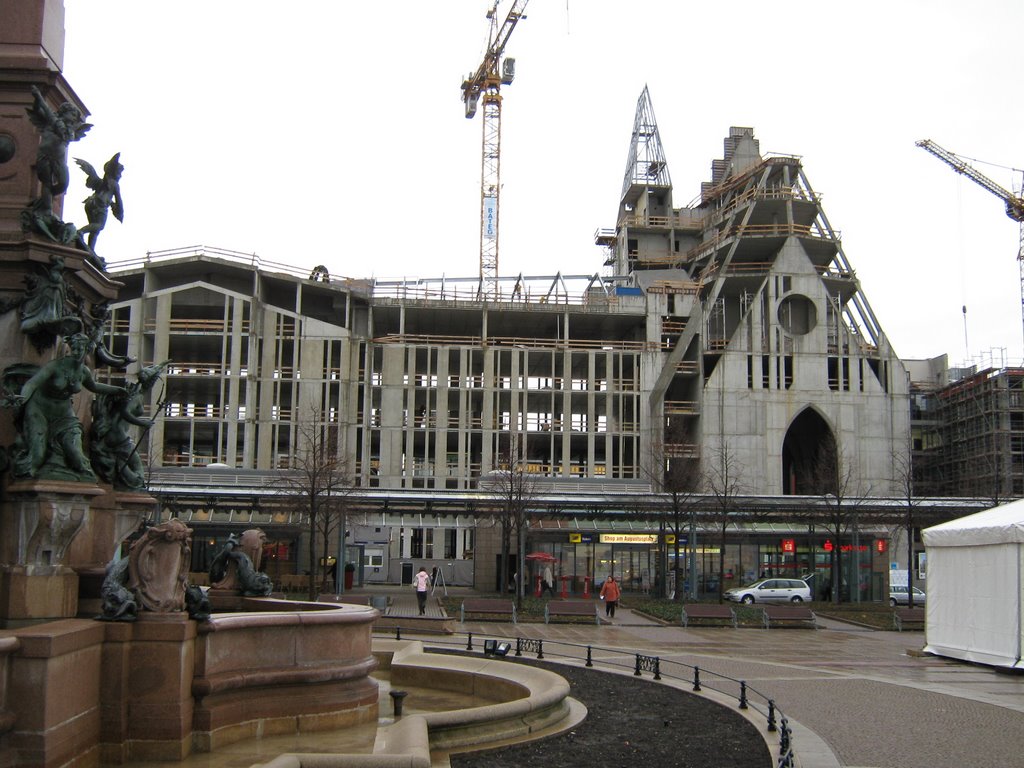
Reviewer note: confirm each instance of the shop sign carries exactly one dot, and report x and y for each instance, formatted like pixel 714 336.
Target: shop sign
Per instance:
pixel 789 545
pixel 629 538
pixel 580 538
pixel 881 545
pixel 670 538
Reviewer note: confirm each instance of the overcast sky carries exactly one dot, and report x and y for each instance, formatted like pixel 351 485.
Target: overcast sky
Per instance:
pixel 332 133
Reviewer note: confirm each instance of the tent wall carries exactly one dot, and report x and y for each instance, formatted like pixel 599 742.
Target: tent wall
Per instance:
pixel 974 603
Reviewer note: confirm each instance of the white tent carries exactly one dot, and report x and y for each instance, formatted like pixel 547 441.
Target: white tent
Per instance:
pixel 975 567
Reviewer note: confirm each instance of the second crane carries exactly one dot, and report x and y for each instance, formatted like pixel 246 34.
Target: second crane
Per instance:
pixel 1014 203
pixel 483 88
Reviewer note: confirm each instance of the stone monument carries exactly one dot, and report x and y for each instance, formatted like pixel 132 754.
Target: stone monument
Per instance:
pixel 58 521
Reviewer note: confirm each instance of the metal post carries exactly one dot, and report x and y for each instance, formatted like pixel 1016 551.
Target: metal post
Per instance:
pixel 657 668
pixel 540 649
pixel 743 695
pixel 519 646
pixel 398 633
pixel 771 715
pixel 469 642
pixel 636 673
pixel 590 661
pixel 696 678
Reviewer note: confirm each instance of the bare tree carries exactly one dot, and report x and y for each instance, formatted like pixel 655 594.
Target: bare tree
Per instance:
pixel 513 489
pixel 676 473
pixel 320 484
pixel 723 478
pixel 836 480
pixel 903 478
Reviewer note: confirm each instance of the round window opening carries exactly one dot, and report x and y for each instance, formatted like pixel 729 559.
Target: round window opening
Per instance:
pixel 797 315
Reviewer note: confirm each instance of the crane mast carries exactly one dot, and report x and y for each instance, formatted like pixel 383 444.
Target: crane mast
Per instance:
pixel 483 88
pixel 1014 203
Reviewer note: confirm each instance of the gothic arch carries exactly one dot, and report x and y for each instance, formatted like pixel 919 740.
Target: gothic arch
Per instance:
pixel 809 440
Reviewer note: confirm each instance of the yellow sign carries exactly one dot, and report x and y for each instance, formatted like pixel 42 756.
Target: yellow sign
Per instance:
pixel 670 538
pixel 575 538
pixel 629 538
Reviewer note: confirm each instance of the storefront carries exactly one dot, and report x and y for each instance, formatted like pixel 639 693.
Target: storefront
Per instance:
pixel 641 562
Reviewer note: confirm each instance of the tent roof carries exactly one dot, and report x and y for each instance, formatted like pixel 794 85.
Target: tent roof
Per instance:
pixel 1000 525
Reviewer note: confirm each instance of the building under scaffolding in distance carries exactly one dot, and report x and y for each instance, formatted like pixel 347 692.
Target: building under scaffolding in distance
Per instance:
pixel 729 338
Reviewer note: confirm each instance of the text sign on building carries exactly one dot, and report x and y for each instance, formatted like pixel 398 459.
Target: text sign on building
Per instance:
pixel 629 538
pixel 580 538
pixel 490 217
pixel 670 538
pixel 789 545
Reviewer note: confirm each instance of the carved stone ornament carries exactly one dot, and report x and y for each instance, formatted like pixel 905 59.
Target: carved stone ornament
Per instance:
pixel 158 567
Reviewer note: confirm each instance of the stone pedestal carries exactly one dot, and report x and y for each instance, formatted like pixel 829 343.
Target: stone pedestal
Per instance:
pixel 38 521
pixel 146 695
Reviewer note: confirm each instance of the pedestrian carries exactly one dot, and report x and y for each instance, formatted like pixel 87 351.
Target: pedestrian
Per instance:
pixel 422 583
pixel 549 580
pixel 610 595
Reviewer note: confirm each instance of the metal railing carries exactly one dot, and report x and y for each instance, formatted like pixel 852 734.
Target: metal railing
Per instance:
pixel 746 697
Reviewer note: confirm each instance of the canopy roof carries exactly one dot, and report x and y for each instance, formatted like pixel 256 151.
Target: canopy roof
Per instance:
pixel 1000 525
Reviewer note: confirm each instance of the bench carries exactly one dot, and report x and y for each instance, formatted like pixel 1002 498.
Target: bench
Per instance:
pixel 703 611
pixel 775 615
pixel 911 618
pixel 571 608
pixel 489 606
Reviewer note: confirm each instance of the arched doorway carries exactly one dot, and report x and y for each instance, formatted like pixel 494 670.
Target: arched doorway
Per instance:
pixel 809 444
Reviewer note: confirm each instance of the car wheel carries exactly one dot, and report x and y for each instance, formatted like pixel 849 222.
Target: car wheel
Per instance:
pixel 892 601
pixel 748 599
pixel 797 599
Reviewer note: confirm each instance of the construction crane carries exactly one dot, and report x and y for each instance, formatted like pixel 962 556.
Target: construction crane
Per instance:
pixel 483 88
pixel 1014 203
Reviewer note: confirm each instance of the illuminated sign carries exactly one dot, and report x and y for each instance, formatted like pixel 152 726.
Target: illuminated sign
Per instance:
pixel 880 545
pixel 789 545
pixel 629 538
pixel 670 538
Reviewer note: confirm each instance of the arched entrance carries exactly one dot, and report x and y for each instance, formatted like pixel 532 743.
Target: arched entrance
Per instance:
pixel 808 445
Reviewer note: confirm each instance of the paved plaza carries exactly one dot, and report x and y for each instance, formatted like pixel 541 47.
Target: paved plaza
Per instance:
pixel 856 697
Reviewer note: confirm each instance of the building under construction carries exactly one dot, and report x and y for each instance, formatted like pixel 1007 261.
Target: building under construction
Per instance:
pixel 731 334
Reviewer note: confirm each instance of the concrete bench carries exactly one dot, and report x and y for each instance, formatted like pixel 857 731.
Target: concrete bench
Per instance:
pixel 571 608
pixel 488 606
pixel 701 611
pixel 911 618
pixel 777 615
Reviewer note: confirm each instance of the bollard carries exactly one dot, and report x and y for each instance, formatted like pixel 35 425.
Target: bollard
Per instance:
pixel 398 633
pixel 396 701
pixel 469 642
pixel 657 668
pixel 771 714
pixel 590 661
pixel 696 678
pixel 540 649
pixel 743 695
pixel 636 672
pixel 519 646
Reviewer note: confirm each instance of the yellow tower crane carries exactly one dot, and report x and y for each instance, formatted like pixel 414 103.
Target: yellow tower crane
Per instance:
pixel 483 88
pixel 1014 203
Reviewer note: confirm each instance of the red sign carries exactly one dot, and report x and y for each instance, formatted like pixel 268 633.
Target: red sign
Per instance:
pixel 881 545
pixel 789 545
pixel 827 546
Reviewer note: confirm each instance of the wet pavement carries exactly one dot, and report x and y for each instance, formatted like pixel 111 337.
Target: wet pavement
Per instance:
pixel 855 697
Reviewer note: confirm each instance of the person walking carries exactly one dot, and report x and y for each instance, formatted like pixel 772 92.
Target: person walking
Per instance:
pixel 422 583
pixel 549 580
pixel 610 594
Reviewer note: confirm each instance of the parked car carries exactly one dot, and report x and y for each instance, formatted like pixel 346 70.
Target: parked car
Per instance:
pixel 898 596
pixel 771 591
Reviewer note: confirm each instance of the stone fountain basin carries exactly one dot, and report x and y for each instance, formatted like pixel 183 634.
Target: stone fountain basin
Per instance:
pixel 528 701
